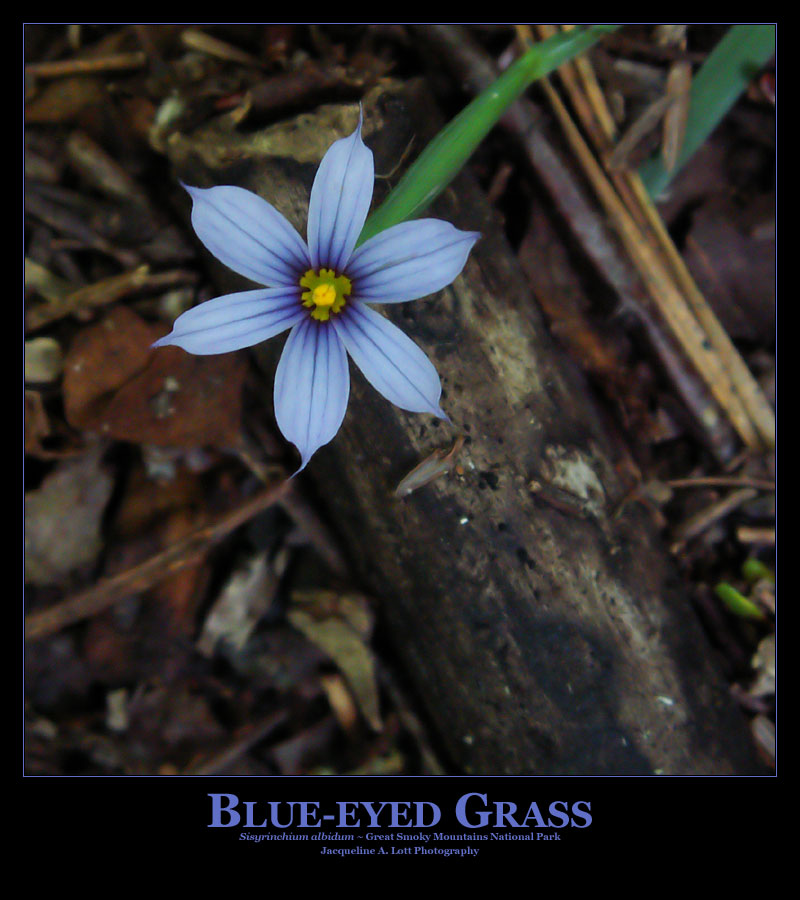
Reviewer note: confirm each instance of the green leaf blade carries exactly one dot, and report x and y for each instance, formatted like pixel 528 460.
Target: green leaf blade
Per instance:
pixel 447 153
pixel 723 77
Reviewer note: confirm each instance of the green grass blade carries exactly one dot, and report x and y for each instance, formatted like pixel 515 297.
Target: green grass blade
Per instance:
pixel 755 570
pixel 719 82
pixel 738 604
pixel 444 157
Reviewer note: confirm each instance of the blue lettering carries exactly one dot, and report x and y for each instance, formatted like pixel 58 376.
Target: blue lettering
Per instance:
pixel 217 809
pixel 461 812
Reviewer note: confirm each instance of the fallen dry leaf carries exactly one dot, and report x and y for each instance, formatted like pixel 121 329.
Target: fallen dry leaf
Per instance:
pixel 764 664
pixel 37 425
pixel 43 360
pixel 64 100
pixel 62 519
pixel 116 385
pixel 179 594
pixel 240 605
pixel 147 500
pixel 340 626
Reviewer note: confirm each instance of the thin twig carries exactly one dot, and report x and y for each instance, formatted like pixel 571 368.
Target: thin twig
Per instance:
pixel 104 293
pixel 195 39
pixel 745 402
pixel 242 743
pixel 101 170
pixel 412 723
pixel 760 484
pixel 60 68
pixel 305 517
pixel 476 71
pixel 140 578
pixel 294 505
pixel 665 293
pixel 747 534
pixel 590 227
pixel 706 517
pixel 40 201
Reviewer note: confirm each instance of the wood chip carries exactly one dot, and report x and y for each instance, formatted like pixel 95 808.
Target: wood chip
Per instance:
pixel 205 43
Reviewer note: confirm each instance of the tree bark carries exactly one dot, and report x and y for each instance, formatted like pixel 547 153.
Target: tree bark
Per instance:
pixel 546 633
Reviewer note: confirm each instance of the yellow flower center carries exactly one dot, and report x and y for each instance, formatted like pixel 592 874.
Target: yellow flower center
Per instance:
pixel 325 292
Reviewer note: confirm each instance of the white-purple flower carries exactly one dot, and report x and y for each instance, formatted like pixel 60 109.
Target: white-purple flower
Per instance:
pixel 320 291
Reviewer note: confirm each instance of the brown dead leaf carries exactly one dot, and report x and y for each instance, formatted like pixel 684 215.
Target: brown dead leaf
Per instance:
pixel 763 731
pixel 679 83
pixel 139 113
pixel 147 501
pixel 735 272
pixel 46 438
pixel 340 625
pixel 763 663
pixel 341 702
pixel 41 280
pixel 62 519
pixel 305 749
pixel 239 607
pixel 179 594
pixel 172 719
pixel 115 384
pixel 37 425
pixel 63 100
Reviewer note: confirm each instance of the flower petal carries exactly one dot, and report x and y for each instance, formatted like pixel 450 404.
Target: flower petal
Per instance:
pixel 409 260
pixel 391 362
pixel 235 321
pixel 248 234
pixel 312 386
pixel 340 199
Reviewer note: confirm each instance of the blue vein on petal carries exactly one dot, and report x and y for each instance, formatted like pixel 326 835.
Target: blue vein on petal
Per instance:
pixel 224 245
pixel 353 149
pixel 327 343
pixel 314 338
pixel 352 324
pixel 291 251
pixel 411 257
pixel 331 262
pixel 225 215
pixel 288 309
pixel 325 259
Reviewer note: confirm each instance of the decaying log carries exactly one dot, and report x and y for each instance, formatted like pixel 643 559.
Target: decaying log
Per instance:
pixel 544 629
